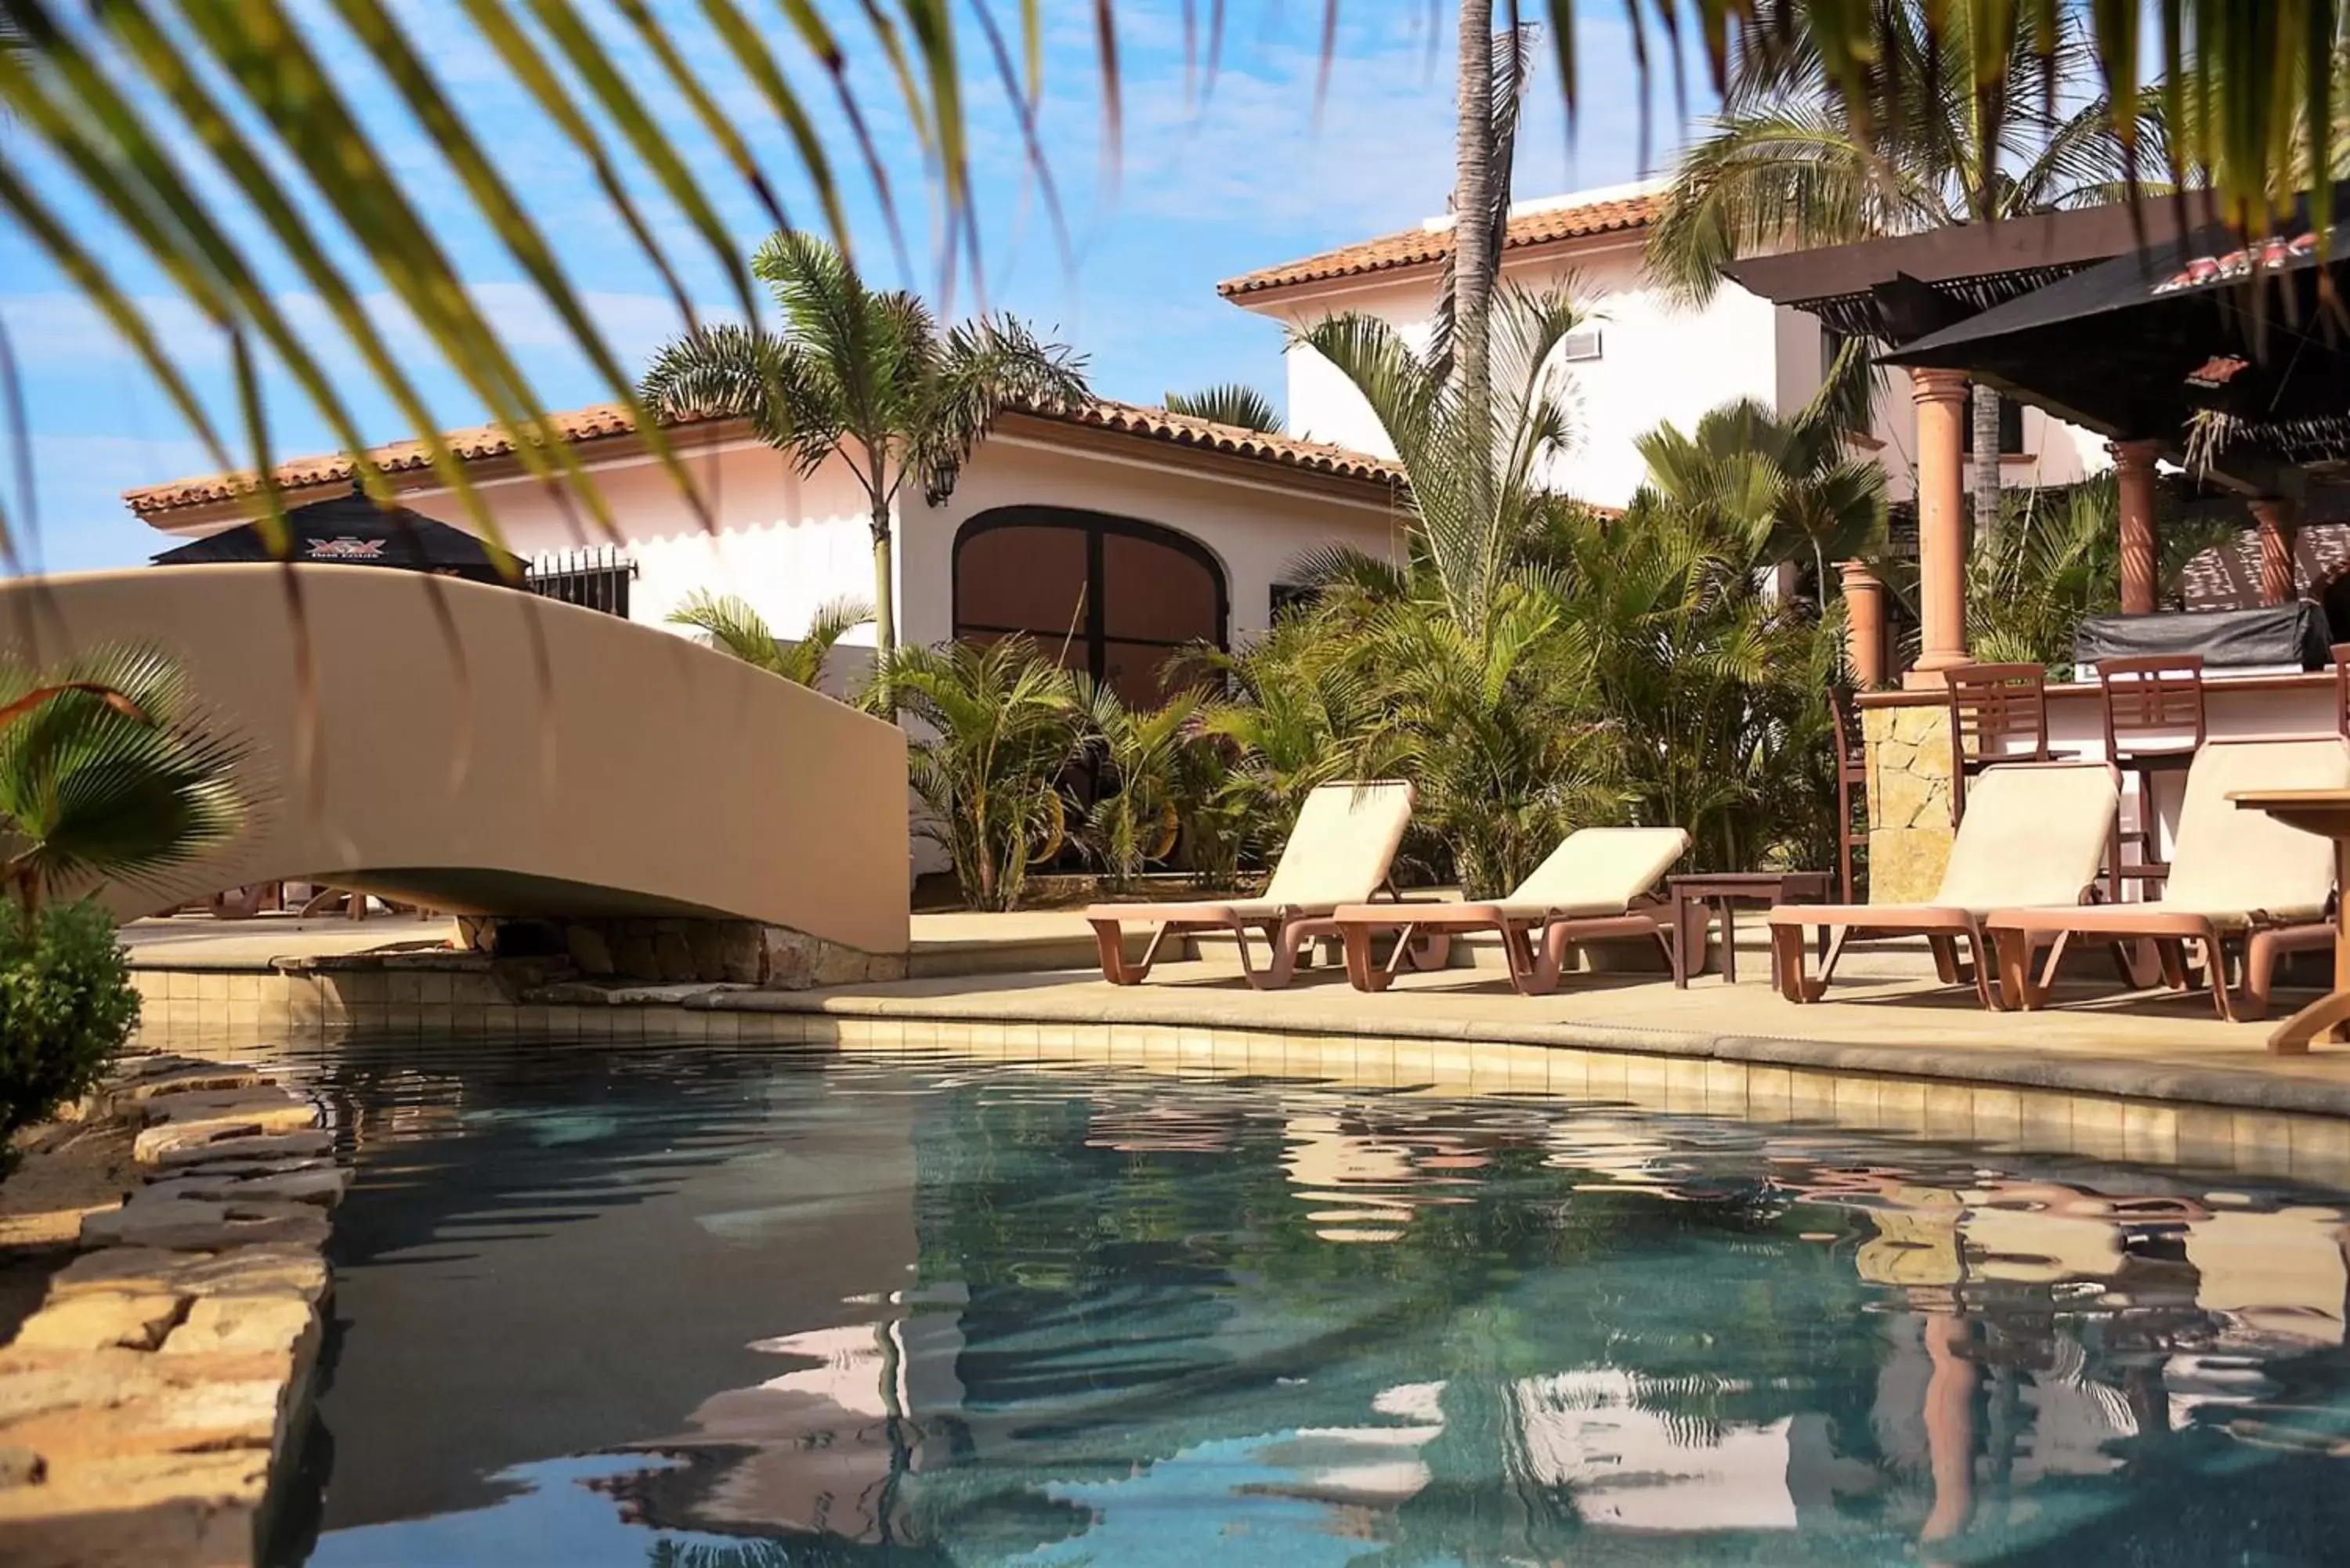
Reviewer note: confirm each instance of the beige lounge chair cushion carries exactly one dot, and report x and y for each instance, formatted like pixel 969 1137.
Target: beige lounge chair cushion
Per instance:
pixel 2228 863
pixel 1345 840
pixel 1339 853
pixel 2034 833
pixel 1597 871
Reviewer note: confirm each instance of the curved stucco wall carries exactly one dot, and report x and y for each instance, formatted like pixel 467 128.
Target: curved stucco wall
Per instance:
pixel 641 776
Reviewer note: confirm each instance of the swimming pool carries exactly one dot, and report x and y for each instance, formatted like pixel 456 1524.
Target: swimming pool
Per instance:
pixel 743 1308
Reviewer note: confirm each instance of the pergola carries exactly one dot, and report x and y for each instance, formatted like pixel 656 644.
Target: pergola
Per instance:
pixel 2128 323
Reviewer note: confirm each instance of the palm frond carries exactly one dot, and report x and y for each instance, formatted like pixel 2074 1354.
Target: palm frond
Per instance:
pixel 109 769
pixel 1231 403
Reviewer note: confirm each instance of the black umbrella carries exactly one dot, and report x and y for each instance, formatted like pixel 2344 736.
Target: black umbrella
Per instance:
pixel 2138 346
pixel 351 530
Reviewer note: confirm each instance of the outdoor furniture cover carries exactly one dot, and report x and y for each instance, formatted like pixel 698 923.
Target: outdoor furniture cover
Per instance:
pixel 353 531
pixel 2035 832
pixel 1339 853
pixel 2233 872
pixel 2269 635
pixel 1582 892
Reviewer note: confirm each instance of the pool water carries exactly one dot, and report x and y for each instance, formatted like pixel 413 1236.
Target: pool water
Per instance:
pixel 707 1307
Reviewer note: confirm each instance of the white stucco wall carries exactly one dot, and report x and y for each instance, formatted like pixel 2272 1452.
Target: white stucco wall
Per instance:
pixel 788 543
pixel 1660 360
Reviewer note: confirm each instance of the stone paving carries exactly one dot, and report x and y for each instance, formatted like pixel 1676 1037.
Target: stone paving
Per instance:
pixel 145 1408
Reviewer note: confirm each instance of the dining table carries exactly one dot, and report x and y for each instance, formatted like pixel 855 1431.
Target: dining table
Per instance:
pixel 2325 813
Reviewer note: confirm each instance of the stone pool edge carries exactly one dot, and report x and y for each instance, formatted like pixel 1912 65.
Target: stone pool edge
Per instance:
pixel 151 1409
pixel 452 994
pixel 2114 1077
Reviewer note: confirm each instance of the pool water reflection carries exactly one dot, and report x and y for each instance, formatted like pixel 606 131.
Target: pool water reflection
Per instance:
pixel 741 1309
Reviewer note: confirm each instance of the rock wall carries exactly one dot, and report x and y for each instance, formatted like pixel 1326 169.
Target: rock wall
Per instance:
pixel 146 1407
pixel 1909 829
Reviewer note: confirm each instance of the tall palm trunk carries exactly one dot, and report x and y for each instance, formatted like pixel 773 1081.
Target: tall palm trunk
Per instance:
pixel 885 611
pixel 1987 470
pixel 1475 262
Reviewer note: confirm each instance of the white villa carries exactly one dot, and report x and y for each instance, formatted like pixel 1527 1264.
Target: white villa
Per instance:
pixel 1121 532
pixel 1646 357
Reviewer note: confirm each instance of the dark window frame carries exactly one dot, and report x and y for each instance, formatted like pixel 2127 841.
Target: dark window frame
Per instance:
pixel 1096 526
pixel 2011 429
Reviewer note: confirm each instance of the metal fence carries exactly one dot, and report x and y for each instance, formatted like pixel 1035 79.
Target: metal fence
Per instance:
pixel 596 577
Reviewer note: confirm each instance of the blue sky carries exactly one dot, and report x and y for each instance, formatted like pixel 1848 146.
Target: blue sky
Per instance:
pixel 1197 191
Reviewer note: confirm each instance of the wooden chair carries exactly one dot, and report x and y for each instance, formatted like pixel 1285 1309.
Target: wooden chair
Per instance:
pixel 2153 724
pixel 1998 713
pixel 1852 788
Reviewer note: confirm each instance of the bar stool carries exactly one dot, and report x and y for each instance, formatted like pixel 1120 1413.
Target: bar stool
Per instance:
pixel 2340 651
pixel 2153 724
pixel 1852 787
pixel 1998 713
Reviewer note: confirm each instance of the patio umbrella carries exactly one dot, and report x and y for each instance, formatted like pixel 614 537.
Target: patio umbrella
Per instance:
pixel 351 530
pixel 2138 346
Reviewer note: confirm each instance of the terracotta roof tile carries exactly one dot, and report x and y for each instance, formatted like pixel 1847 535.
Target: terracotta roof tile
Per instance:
pixel 1416 247
pixel 608 421
pixel 1183 429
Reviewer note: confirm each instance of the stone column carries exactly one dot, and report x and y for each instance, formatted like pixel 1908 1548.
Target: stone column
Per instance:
pixel 2279 521
pixel 1864 624
pixel 2134 478
pixel 1941 399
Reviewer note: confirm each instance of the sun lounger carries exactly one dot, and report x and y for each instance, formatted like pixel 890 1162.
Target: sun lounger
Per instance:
pixel 1582 892
pixel 1338 854
pixel 2034 833
pixel 2232 873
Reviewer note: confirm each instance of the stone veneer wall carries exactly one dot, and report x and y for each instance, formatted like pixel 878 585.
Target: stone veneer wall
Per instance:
pixel 1909 829
pixel 150 1404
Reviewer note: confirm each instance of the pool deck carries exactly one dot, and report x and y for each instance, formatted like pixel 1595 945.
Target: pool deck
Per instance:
pixel 1883 1022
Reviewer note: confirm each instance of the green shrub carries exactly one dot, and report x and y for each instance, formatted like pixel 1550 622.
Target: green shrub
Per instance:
pixel 66 1007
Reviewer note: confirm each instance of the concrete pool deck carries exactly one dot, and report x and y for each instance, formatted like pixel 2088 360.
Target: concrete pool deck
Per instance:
pixel 1883 1022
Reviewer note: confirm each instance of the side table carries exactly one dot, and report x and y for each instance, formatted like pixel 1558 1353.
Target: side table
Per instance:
pixel 1695 898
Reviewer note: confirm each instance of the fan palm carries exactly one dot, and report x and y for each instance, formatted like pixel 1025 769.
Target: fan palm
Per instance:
pixel 107 771
pixel 1789 161
pixel 1230 403
pixel 730 624
pixel 996 725
pixel 864 376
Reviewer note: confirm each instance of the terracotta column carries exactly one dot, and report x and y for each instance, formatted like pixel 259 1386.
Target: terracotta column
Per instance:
pixel 1864 624
pixel 2134 477
pixel 2279 521
pixel 1941 399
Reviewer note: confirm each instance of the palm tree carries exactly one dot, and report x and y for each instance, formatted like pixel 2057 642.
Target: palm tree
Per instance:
pixel 728 623
pixel 1785 483
pixel 1477 460
pixel 1230 403
pixel 1144 755
pixel 996 727
pixel 1478 672
pixel 1788 161
pixel 2058 561
pixel 865 377
pixel 108 770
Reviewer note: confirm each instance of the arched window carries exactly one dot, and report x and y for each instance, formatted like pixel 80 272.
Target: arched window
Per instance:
pixel 1123 597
